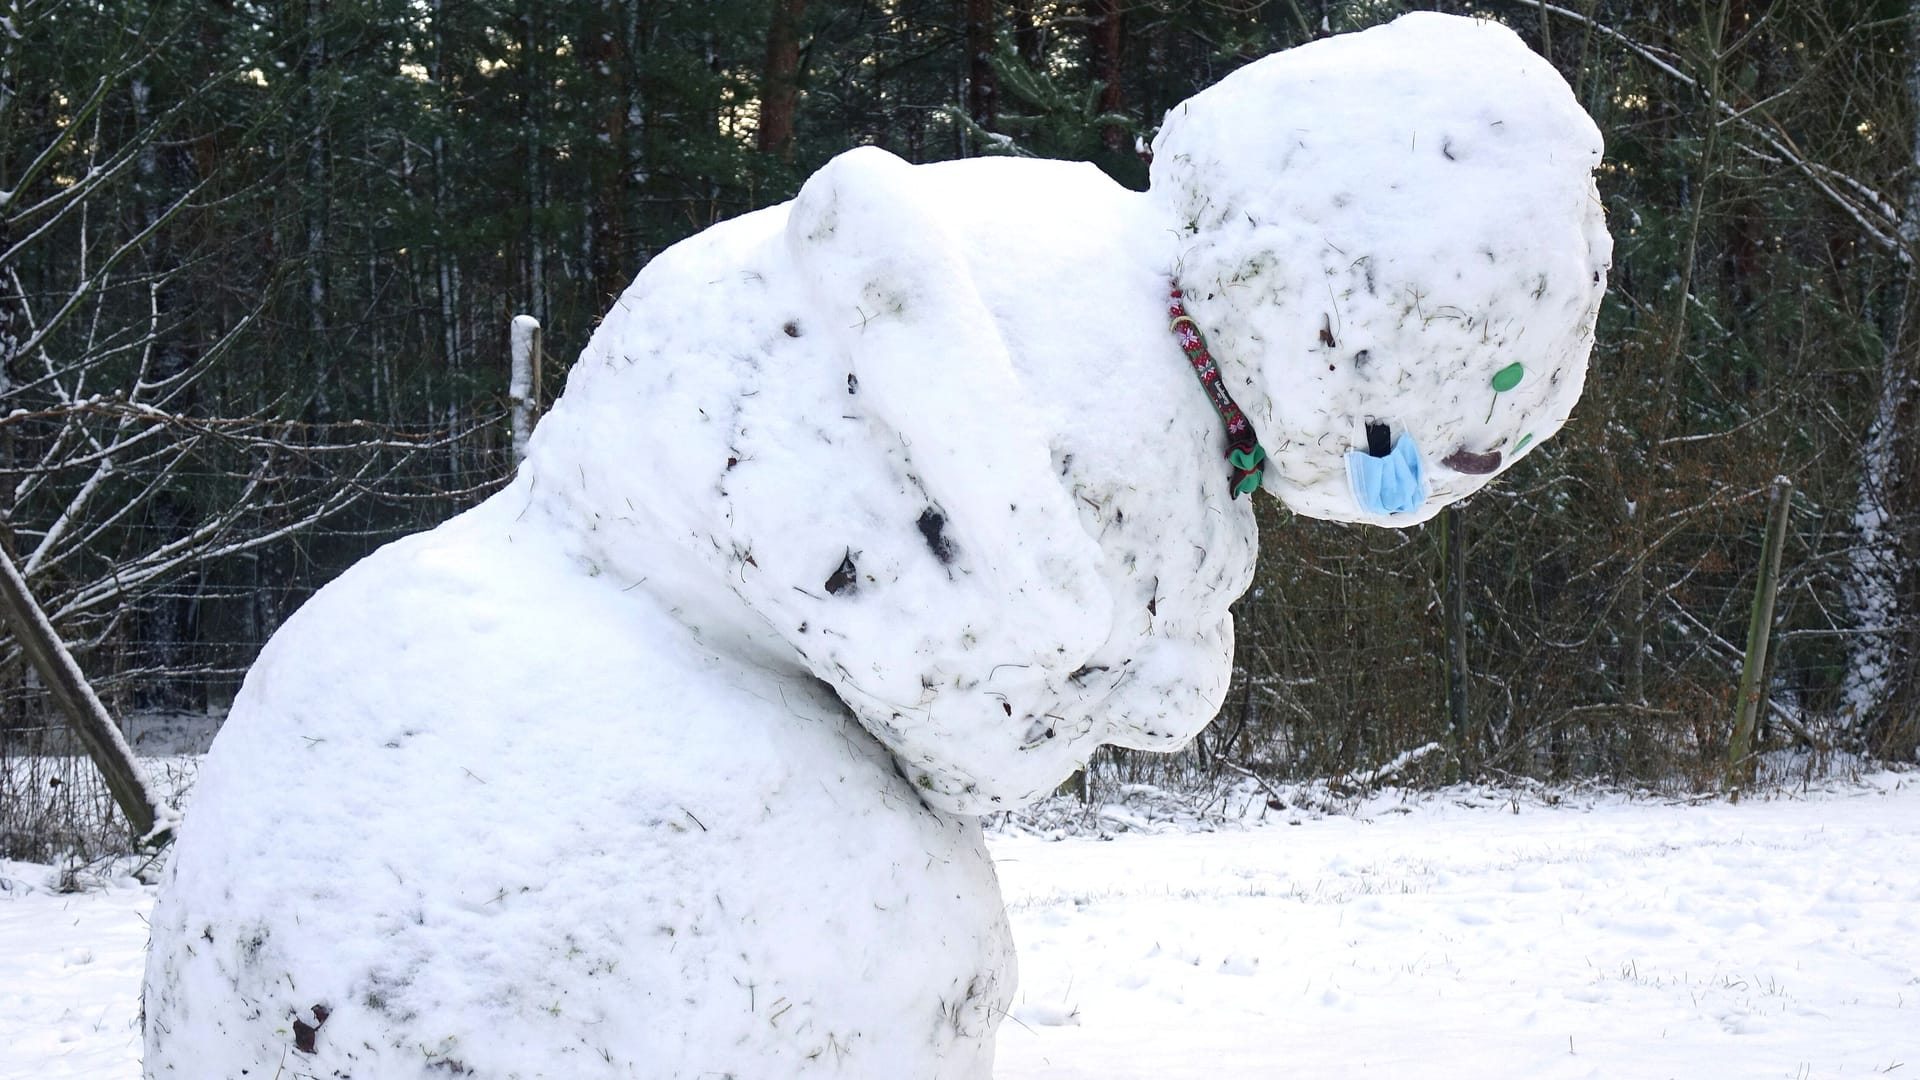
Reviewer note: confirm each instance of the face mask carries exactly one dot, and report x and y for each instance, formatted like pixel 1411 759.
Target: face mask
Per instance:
pixel 1395 484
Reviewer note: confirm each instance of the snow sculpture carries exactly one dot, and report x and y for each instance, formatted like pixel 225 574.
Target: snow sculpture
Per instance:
pixel 860 515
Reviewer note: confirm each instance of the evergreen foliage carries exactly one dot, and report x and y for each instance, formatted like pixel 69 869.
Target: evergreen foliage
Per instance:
pixel 305 227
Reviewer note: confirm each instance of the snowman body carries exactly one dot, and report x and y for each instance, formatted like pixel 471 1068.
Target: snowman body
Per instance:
pixel 556 789
pixel 862 516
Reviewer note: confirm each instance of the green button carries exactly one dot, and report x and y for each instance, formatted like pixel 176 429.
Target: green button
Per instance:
pixel 1508 377
pixel 1524 440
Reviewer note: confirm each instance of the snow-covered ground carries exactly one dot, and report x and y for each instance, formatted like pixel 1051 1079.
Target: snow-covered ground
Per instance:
pixel 1465 935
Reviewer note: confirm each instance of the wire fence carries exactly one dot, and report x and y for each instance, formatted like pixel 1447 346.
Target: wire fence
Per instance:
pixel 167 651
pixel 1598 646
pixel 1590 653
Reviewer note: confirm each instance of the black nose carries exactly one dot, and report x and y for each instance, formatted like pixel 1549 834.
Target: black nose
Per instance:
pixel 1464 460
pixel 1379 439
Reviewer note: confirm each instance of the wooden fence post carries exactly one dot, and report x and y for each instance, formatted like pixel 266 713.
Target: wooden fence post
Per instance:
pixel 524 388
pixel 1753 670
pixel 1453 557
pixel 151 821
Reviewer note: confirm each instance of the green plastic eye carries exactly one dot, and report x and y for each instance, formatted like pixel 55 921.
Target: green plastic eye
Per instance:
pixel 1508 377
pixel 1524 440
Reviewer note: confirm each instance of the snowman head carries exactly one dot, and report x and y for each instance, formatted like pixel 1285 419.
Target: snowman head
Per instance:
pixel 1393 244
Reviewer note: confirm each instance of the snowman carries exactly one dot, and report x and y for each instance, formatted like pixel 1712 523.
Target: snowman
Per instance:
pixel 861 517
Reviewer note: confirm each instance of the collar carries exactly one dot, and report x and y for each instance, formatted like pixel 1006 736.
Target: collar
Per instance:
pixel 1246 458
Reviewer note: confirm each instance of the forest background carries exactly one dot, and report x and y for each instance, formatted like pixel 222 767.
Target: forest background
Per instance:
pixel 258 261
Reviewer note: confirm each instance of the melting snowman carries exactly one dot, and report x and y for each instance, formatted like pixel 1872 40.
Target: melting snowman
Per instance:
pixel 863 516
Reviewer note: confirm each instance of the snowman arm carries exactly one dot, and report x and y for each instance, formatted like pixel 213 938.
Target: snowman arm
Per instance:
pixel 880 262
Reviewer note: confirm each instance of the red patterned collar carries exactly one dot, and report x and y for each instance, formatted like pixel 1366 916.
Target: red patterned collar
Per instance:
pixel 1246 458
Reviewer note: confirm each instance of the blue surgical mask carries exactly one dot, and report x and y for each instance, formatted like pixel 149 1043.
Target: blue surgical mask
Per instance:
pixel 1395 484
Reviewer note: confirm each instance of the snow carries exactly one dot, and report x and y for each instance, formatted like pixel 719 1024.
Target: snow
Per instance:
pixel 585 844
pixel 1500 939
pixel 70 976
pixel 1470 934
pixel 861 516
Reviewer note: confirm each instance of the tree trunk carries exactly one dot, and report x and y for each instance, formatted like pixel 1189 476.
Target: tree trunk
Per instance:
pixel 449 333
pixel 319 193
pixel 780 84
pixel 982 89
pixel 1026 33
pixel 606 50
pixel 533 117
pixel 1879 694
pixel 1106 52
pixel 166 167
